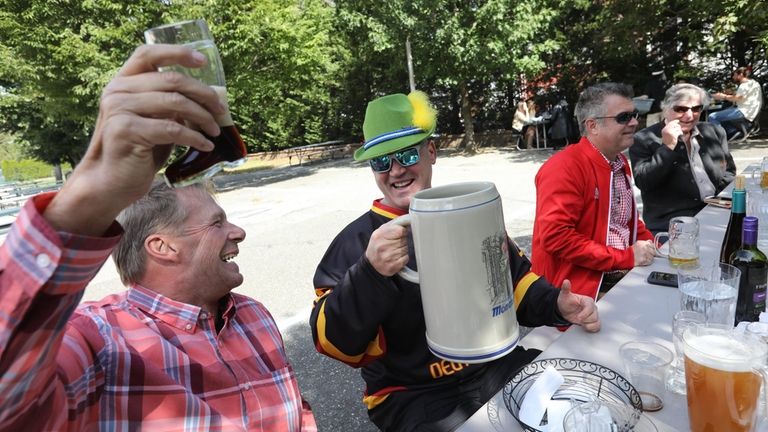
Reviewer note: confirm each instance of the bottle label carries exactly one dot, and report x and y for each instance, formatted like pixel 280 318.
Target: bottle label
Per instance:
pixel 758 297
pixel 758 300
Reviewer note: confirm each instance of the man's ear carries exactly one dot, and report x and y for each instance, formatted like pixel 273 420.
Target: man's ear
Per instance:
pixel 432 151
pixel 161 247
pixel 590 126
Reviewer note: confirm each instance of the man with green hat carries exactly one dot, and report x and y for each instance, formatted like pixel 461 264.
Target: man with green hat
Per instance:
pixel 367 316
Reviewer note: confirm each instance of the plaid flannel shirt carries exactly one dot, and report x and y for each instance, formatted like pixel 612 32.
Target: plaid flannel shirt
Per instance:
pixel 136 360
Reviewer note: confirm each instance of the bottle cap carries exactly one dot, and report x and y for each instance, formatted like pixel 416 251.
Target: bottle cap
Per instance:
pixel 750 223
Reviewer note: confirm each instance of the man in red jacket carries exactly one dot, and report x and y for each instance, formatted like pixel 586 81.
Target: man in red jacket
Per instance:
pixel 587 226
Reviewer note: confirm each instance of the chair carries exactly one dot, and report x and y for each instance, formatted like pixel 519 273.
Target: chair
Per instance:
pixel 745 130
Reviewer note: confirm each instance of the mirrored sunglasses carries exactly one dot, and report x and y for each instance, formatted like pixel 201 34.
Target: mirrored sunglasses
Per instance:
pixel 405 158
pixel 623 117
pixel 681 109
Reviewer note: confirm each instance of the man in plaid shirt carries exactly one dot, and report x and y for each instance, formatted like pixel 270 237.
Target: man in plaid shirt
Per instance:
pixel 587 226
pixel 177 351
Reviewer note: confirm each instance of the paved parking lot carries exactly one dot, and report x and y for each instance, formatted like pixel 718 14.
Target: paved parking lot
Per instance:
pixel 290 216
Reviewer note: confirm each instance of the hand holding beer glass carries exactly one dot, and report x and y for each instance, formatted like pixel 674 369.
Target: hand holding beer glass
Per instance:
pixel 229 150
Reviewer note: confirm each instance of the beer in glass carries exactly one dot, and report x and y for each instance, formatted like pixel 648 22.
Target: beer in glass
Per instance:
pixel 723 374
pixel 229 150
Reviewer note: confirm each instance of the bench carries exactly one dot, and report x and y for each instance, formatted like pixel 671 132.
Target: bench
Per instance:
pixel 318 151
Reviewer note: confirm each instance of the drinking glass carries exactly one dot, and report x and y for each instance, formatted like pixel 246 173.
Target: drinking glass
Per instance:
pixel 229 150
pixel 683 241
pixel 646 364
pixel 676 374
pixel 711 289
pixel 757 206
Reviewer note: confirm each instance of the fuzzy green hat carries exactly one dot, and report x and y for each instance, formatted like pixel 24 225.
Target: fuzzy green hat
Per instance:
pixel 395 122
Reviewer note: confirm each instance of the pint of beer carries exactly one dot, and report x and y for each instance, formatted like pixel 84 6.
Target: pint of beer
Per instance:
pixel 229 149
pixel 723 372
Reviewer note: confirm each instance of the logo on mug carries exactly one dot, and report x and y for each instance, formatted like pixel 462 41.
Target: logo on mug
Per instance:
pixel 495 253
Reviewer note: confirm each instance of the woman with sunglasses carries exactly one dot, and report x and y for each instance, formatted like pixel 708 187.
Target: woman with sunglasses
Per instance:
pixel 680 161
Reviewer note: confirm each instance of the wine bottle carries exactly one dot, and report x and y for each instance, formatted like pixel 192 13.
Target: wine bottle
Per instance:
pixel 732 239
pixel 754 274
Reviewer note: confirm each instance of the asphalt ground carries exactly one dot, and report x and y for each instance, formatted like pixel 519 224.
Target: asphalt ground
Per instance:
pixel 291 214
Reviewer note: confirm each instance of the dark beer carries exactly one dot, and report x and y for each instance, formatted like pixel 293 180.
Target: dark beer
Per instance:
pixel 194 163
pixel 229 150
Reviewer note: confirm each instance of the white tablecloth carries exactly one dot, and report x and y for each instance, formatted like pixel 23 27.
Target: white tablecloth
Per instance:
pixel 633 309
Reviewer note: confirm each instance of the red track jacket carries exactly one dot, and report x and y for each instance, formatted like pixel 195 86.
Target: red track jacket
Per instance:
pixel 573 196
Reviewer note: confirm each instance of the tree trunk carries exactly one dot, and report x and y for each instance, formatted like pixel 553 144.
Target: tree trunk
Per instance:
pixel 57 173
pixel 468 143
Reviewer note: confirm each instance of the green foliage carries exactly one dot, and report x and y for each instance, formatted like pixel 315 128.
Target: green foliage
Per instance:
pixel 9 148
pixel 57 56
pixel 302 71
pixel 279 62
pixel 25 170
pixel 464 53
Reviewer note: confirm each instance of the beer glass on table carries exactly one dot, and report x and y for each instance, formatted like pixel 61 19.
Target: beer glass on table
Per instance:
pixel 724 370
pixel 229 150
pixel 683 241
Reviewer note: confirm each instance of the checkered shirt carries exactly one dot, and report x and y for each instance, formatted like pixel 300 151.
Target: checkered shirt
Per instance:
pixel 132 361
pixel 621 204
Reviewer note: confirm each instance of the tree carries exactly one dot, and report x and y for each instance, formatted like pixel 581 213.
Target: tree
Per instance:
pixel 279 63
pixel 56 57
pixel 464 50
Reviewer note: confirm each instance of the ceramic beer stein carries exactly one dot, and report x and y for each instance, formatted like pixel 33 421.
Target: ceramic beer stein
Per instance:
pixel 463 261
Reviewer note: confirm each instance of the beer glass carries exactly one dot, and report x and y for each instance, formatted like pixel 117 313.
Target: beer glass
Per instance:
pixel 724 370
pixel 683 241
pixel 229 150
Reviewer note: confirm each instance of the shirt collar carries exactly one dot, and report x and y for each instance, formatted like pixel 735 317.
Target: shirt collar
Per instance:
pixel 385 210
pixel 616 165
pixel 177 314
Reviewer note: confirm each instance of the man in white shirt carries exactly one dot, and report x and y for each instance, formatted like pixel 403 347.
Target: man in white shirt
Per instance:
pixel 747 102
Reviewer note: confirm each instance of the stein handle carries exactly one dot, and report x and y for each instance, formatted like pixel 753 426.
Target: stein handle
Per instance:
pixel 406 273
pixel 656 243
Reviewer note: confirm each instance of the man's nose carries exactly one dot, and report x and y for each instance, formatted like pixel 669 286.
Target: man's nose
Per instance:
pixel 237 234
pixel 396 169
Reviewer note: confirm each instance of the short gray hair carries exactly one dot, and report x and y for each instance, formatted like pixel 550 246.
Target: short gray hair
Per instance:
pixel 591 101
pixel 159 211
pixel 678 92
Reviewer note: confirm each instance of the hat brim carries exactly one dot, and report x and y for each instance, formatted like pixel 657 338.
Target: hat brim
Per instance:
pixel 363 154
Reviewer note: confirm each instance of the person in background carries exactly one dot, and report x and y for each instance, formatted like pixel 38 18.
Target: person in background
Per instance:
pixel 587 226
pixel 560 125
pixel 748 100
pixel 681 161
pixel 368 317
pixel 177 351
pixel 526 132
pixel 654 89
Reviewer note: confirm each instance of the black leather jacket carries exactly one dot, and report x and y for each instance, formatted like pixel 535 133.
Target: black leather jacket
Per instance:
pixel 664 176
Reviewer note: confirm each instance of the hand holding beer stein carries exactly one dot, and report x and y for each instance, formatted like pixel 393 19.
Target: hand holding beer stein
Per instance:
pixel 229 149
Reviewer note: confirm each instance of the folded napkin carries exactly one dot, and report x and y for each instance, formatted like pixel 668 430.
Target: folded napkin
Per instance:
pixel 539 396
